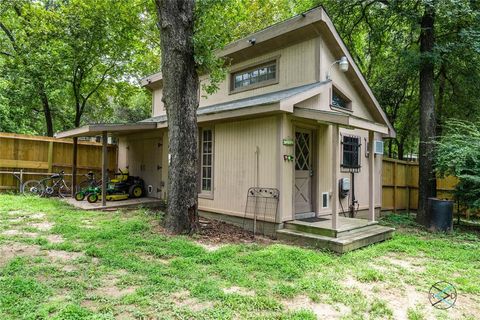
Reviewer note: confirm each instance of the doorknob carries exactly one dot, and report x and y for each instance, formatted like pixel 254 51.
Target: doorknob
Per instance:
pixel 310 172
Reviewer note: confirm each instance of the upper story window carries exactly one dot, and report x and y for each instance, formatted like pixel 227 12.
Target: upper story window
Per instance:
pixel 351 152
pixel 258 76
pixel 339 100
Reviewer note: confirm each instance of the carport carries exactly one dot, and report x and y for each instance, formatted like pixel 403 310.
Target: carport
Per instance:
pixel 104 130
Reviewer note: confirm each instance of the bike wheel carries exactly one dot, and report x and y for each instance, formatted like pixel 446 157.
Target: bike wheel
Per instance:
pixel 79 196
pixel 64 191
pixel 82 186
pixel 33 188
pixel 92 198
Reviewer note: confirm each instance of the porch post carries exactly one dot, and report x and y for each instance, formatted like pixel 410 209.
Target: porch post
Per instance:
pixel 104 167
pixel 335 165
pixel 371 176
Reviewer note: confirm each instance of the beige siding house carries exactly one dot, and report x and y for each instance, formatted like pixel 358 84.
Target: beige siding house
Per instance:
pixel 287 116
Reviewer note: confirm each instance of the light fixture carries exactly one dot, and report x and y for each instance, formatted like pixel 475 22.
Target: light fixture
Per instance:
pixel 342 64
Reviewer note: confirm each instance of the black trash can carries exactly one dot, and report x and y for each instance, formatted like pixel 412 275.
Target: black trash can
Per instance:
pixel 440 214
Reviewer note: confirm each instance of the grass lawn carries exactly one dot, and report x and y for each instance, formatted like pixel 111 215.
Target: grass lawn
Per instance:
pixel 60 263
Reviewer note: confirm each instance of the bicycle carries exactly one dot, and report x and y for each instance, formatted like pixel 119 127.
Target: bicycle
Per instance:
pixel 88 186
pixel 54 185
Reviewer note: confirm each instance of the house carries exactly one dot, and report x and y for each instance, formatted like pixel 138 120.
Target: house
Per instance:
pixel 294 114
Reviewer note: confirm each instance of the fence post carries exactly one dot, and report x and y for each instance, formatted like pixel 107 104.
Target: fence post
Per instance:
pixel 50 156
pixel 394 186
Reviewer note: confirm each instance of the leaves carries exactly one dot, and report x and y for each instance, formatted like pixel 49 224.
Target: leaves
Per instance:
pixel 458 154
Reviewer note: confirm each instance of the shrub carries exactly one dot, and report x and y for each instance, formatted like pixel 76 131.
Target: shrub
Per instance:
pixel 458 154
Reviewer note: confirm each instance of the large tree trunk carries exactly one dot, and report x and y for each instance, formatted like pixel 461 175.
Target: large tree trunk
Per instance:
pixel 46 110
pixel 442 78
pixel 427 181
pixel 181 98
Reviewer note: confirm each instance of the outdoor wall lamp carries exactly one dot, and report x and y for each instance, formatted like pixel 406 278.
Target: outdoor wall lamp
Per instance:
pixel 342 64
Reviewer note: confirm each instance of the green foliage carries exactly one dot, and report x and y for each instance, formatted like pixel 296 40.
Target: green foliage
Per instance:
pixel 458 154
pixel 86 56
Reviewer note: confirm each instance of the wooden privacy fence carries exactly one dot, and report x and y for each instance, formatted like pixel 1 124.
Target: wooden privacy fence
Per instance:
pixel 400 185
pixel 37 154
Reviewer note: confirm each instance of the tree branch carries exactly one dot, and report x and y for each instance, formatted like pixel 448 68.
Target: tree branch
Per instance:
pixel 104 76
pixel 6 54
pixel 9 35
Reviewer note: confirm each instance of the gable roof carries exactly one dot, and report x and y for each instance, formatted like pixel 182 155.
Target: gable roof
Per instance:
pixel 307 25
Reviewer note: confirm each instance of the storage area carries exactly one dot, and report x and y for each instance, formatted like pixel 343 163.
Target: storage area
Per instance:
pixel 142 156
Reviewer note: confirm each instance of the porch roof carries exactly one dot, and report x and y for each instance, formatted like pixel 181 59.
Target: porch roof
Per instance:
pixel 97 129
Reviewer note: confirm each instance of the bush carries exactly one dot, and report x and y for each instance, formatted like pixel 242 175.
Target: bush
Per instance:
pixel 458 154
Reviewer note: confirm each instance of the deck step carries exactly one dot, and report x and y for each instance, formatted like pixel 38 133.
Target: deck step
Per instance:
pixel 302 226
pixel 344 243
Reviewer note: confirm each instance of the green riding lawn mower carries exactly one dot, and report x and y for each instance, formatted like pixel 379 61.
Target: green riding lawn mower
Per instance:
pixel 122 187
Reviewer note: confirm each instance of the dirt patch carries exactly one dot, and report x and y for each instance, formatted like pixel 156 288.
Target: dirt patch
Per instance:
pixel 152 258
pixel 55 238
pixel 412 264
pixel 404 296
pixel 213 232
pixel 15 212
pixel 90 305
pixel 9 251
pixel 61 255
pixel 109 287
pixel 182 299
pixel 114 291
pixel 37 216
pixel 14 232
pixel 239 290
pixel 210 247
pixel 321 310
pixel 42 226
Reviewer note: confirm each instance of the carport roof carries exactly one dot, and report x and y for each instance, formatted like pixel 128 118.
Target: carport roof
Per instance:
pixel 99 128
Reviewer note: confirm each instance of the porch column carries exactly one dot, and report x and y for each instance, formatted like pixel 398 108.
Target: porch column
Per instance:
pixel 104 167
pixel 335 165
pixel 371 176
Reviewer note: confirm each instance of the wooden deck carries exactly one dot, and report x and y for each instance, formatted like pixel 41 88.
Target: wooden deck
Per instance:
pixel 113 205
pixel 351 233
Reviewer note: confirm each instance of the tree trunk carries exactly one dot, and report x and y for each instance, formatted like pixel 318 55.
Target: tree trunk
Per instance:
pixel 401 149
pixel 442 78
pixel 181 98
pixel 46 110
pixel 427 181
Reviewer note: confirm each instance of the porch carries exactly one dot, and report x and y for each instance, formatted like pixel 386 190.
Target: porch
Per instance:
pixel 350 233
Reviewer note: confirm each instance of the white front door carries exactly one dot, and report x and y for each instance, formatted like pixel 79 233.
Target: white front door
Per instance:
pixel 303 171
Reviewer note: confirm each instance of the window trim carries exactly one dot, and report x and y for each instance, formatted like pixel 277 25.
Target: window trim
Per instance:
pixel 273 60
pixel 204 193
pixel 345 97
pixel 359 157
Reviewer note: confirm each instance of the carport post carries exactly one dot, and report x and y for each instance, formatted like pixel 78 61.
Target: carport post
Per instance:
pixel 104 167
